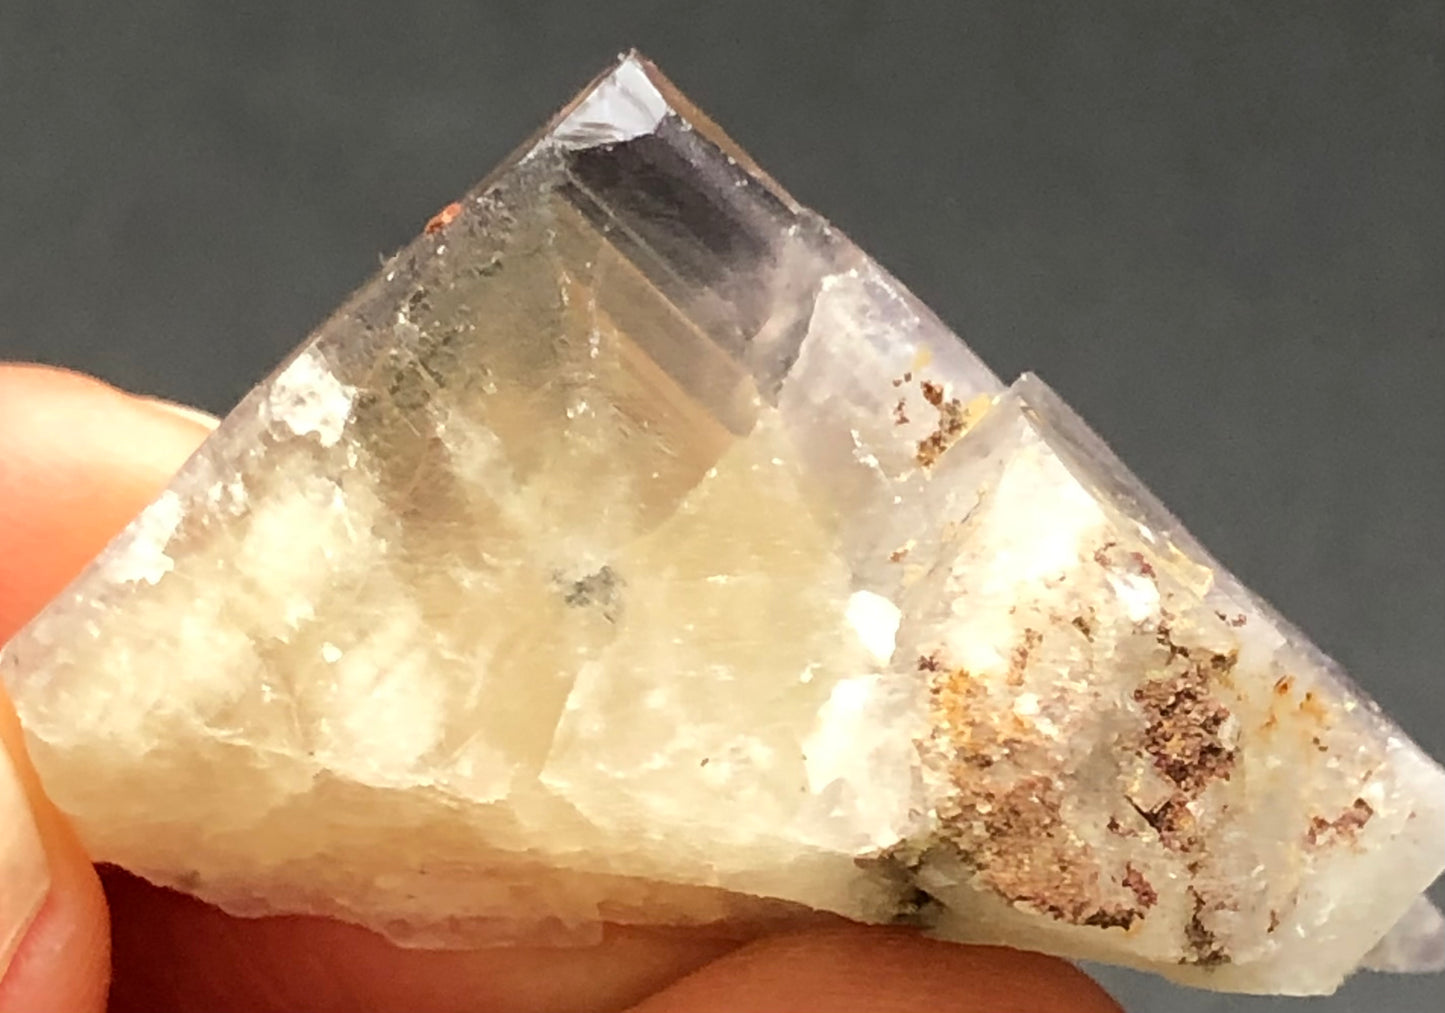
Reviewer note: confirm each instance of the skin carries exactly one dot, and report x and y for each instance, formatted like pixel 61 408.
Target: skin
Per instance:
pixel 77 460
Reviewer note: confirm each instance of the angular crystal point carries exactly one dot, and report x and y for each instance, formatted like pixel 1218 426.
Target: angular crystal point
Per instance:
pixel 1416 945
pixel 635 549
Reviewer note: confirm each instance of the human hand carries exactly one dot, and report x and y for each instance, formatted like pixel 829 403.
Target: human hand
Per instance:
pixel 77 460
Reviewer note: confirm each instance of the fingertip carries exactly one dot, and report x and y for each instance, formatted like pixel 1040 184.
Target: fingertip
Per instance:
pixel 881 971
pixel 78 460
pixel 194 416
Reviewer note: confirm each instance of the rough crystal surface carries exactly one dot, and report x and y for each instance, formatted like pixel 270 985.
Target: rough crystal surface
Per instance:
pixel 633 548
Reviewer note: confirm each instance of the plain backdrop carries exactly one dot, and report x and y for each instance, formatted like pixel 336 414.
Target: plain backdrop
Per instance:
pixel 1218 228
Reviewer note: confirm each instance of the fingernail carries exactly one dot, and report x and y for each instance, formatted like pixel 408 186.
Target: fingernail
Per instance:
pixel 24 872
pixel 184 411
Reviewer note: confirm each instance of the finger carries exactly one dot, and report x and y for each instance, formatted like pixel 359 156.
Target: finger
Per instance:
pixel 173 954
pixel 52 914
pixel 880 971
pixel 78 459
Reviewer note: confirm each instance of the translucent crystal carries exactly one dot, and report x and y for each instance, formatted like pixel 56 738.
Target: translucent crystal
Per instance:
pixel 633 548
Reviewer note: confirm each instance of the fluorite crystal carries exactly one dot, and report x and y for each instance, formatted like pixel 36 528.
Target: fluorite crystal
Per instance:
pixel 635 549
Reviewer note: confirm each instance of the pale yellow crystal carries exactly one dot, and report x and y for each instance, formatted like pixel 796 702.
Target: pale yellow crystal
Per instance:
pixel 634 549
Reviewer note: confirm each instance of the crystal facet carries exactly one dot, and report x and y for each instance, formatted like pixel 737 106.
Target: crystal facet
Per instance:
pixel 635 549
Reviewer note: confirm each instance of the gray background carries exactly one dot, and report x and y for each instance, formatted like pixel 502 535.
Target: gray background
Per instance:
pixel 1218 228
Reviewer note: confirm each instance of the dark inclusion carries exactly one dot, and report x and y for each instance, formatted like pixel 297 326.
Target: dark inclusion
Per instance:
pixel 602 589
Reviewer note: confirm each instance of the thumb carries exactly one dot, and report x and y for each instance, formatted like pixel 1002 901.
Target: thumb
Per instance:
pixel 54 931
pixel 76 461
